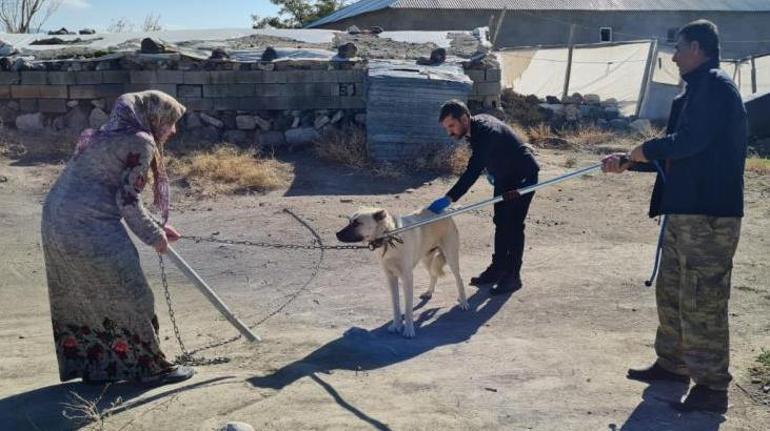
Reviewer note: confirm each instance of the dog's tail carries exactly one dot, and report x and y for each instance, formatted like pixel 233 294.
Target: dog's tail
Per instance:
pixel 437 263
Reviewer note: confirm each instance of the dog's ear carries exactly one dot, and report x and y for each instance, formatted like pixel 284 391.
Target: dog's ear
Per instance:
pixel 379 215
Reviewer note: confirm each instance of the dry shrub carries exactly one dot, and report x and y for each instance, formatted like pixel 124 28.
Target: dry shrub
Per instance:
pixel 761 372
pixel 758 165
pixel 539 132
pixel 229 170
pixel 570 162
pixel 440 159
pixel 591 136
pixel 345 146
pixel 542 136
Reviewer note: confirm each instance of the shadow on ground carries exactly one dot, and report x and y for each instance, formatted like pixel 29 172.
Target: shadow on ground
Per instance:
pixel 313 177
pixel 44 408
pixel 654 413
pixel 362 350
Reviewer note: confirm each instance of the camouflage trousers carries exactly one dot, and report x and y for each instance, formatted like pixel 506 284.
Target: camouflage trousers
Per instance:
pixel 692 293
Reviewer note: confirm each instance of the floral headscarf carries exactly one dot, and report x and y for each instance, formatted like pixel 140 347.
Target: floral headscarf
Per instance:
pixel 150 113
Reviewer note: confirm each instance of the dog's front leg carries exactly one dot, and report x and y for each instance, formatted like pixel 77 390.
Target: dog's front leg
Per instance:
pixel 408 282
pixel 393 284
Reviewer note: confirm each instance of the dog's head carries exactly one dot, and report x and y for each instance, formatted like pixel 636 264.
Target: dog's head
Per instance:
pixel 365 225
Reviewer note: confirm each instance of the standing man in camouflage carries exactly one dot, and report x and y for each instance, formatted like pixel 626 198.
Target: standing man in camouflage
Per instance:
pixel 700 163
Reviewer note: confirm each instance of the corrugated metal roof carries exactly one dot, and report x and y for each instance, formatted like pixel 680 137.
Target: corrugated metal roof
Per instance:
pixel 367 6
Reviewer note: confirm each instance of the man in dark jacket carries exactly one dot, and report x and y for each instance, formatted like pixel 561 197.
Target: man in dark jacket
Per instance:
pixel 509 165
pixel 699 189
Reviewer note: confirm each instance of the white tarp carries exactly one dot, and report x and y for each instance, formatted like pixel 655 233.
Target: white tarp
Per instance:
pixel 610 71
pixel 665 70
pixel 743 76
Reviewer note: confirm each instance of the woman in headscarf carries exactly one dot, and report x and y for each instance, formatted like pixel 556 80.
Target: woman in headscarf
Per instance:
pixel 102 308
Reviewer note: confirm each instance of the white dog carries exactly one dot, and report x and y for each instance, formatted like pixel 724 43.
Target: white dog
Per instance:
pixel 435 244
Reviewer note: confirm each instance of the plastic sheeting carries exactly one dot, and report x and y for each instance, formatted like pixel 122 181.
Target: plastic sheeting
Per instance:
pixel 741 71
pixel 665 71
pixel 612 71
pixel 252 55
pixel 403 103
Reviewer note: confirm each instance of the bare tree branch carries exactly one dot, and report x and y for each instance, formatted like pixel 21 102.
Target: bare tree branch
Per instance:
pixel 152 23
pixel 23 16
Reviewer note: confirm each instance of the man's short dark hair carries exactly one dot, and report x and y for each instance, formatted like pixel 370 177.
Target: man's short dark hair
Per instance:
pixel 705 33
pixel 455 108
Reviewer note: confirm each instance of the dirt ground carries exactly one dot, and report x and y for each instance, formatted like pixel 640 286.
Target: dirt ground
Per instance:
pixel 551 356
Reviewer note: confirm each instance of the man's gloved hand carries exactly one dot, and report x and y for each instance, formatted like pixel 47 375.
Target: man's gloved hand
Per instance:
pixel 439 205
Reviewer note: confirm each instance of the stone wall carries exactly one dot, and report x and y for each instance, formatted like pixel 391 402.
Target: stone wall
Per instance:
pixel 287 104
pixel 242 106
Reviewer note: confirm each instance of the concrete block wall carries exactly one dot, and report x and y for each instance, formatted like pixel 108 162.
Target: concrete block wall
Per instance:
pixel 234 105
pixel 202 90
pixel 284 105
pixel 487 86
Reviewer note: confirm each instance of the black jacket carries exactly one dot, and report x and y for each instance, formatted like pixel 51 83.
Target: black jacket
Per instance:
pixel 496 148
pixel 704 151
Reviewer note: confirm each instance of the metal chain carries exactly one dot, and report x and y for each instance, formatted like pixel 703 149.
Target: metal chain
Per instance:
pixel 315 246
pixel 186 358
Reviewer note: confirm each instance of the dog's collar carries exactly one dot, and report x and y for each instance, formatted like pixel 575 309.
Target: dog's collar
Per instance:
pixel 388 241
pixel 384 243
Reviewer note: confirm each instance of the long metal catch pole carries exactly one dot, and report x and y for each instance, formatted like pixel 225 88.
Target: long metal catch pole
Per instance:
pixel 211 295
pixel 522 191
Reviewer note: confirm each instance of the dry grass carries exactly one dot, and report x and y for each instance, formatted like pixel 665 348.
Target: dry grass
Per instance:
pixel 758 165
pixel 586 137
pixel 83 411
pixel 761 372
pixel 538 133
pixel 440 159
pixel 227 170
pixel 591 136
pixel 570 162
pixel 346 146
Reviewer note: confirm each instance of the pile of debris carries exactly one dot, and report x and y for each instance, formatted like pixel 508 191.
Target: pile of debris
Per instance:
pixel 570 112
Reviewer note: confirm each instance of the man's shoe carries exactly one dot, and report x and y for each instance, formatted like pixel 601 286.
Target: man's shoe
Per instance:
pixel 655 373
pixel 509 283
pixel 491 275
pixel 703 399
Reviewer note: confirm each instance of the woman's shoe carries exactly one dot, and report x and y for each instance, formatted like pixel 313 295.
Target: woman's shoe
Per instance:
pixel 176 374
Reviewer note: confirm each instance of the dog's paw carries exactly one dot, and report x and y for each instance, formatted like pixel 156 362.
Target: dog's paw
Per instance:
pixel 463 305
pixel 426 296
pixel 408 331
pixel 395 328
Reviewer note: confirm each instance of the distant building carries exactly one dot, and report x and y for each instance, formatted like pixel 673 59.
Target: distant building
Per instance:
pixel 744 24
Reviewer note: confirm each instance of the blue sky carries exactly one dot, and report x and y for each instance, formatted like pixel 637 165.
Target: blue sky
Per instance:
pixel 174 14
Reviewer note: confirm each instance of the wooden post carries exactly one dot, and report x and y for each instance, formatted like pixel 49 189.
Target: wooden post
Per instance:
pixel 648 72
pixel 753 76
pixel 497 27
pixel 565 93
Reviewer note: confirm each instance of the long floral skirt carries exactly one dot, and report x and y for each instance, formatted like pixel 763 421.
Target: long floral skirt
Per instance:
pixel 102 308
